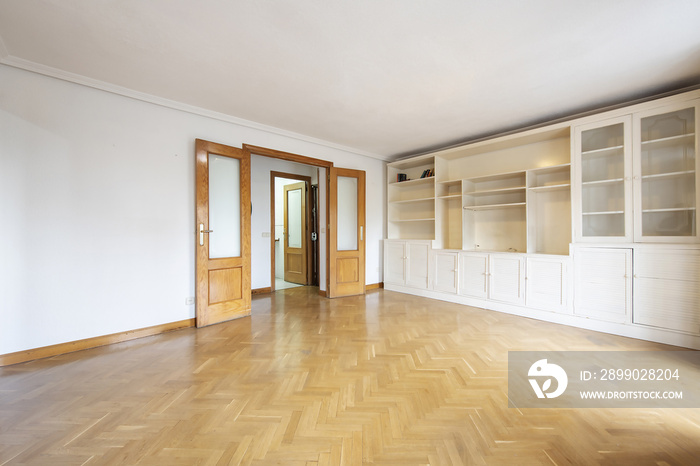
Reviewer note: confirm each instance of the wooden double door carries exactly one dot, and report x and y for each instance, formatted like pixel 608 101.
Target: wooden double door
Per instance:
pixel 223 233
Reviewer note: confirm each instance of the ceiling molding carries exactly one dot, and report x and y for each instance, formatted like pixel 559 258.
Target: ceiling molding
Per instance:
pixel 38 68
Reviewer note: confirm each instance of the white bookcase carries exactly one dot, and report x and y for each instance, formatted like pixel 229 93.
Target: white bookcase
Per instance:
pixel 561 223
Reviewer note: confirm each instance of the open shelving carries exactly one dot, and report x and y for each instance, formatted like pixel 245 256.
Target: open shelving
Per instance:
pixel 549 201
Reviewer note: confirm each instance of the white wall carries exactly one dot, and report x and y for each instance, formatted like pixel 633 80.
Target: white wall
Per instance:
pixel 97 208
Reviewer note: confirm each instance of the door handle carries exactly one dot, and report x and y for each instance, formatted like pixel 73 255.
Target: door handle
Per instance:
pixel 201 233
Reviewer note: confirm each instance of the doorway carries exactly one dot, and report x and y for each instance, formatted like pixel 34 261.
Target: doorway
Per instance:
pixel 294 255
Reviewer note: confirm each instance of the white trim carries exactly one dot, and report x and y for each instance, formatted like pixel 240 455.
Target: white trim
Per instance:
pixel 38 68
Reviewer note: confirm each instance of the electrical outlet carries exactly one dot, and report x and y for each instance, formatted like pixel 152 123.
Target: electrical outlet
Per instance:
pixel 266 234
pixel 189 301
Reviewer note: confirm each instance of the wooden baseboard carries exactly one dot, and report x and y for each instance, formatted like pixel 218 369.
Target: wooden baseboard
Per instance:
pixel 374 286
pixel 261 290
pixel 322 293
pixel 79 345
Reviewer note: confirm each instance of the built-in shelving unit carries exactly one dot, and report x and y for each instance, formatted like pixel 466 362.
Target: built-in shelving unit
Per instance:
pixel 559 223
pixel 411 203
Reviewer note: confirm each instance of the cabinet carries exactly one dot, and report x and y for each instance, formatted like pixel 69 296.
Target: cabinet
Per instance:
pixel 499 277
pixel 406 263
pixel 665 175
pixel 547 283
pixel 667 289
pixel 635 177
pixel 445 271
pixel 602 179
pixel 507 278
pixel 474 274
pixel 603 283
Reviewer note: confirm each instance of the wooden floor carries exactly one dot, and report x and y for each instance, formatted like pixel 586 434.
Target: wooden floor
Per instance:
pixel 382 379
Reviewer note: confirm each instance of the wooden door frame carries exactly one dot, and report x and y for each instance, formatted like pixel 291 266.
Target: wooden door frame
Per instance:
pixel 309 243
pixel 290 157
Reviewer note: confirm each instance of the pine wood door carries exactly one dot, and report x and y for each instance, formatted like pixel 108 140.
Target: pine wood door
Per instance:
pixel 223 233
pixel 347 232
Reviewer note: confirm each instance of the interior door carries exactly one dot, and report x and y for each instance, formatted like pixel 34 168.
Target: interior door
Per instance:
pixel 347 232
pixel 295 259
pixel 223 233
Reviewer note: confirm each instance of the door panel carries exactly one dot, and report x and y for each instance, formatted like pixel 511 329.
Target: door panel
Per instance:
pixel 473 274
pixel 395 262
pixel 445 269
pixel 347 235
pixel 507 278
pixel 223 233
pixel 417 265
pixel 295 233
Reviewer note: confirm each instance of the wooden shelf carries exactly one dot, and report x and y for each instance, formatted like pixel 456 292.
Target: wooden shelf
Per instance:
pixel 494 206
pixel 674 209
pixel 451 196
pixel 611 212
pixel 432 219
pixel 680 139
pixel 495 191
pixel 554 187
pixel 412 182
pixel 604 152
pixel 407 201
pixel 668 175
pixel 601 182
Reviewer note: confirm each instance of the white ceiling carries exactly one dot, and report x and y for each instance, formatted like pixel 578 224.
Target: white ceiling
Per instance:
pixel 384 77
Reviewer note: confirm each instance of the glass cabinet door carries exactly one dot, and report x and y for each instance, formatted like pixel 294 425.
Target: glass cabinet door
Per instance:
pixel 665 174
pixel 602 181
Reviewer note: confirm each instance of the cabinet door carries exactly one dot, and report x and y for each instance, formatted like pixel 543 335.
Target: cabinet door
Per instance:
pixel 394 262
pixel 507 278
pixel 473 274
pixel 603 283
pixel 417 264
pixel 665 175
pixel 602 181
pixel 547 283
pixel 667 289
pixel 445 271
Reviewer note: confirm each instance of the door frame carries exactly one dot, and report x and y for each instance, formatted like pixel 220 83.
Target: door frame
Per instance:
pixel 309 243
pixel 290 157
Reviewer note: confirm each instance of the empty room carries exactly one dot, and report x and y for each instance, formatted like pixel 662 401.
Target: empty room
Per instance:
pixel 349 233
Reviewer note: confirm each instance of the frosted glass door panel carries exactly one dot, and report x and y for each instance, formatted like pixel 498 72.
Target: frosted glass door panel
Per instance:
pixel 347 213
pixel 224 207
pixel 294 218
pixel 603 175
pixel 668 174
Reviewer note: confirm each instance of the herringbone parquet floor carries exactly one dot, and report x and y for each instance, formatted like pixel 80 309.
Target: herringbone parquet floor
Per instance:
pixel 382 379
